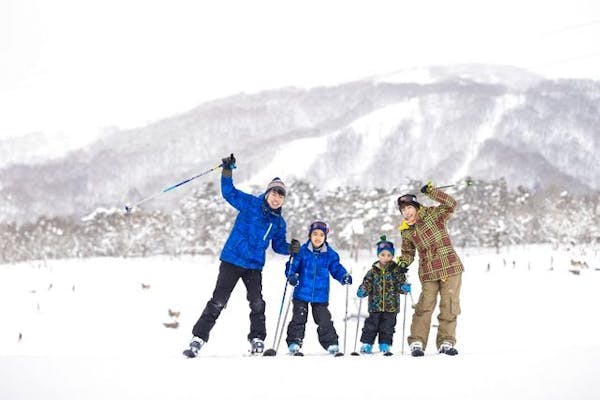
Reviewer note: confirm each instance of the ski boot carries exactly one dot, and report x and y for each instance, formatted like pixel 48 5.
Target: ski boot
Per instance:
pixel 366 348
pixel 385 349
pixel 294 349
pixel 257 346
pixel 195 345
pixel 334 350
pixel 416 349
pixel 448 348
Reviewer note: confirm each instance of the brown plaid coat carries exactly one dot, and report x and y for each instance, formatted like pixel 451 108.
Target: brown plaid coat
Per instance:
pixel 437 258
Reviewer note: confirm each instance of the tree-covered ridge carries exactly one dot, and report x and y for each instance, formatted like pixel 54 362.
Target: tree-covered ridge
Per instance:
pixel 488 215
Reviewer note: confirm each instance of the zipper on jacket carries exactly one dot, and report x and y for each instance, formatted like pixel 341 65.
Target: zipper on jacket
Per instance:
pixel 268 230
pixel 383 289
pixel 315 261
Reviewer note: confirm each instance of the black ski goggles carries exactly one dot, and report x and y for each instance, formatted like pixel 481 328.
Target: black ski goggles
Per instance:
pixel 407 199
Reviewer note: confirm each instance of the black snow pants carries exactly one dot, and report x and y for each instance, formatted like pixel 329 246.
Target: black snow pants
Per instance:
pixel 382 323
pixel 322 317
pixel 229 275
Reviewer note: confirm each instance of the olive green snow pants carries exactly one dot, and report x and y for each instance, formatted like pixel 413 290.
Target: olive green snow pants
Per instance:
pixel 449 290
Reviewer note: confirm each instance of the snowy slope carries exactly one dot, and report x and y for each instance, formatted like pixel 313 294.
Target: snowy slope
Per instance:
pixel 89 330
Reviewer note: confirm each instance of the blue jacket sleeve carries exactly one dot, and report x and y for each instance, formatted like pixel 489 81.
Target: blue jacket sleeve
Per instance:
pixel 293 267
pixel 235 197
pixel 336 269
pixel 278 243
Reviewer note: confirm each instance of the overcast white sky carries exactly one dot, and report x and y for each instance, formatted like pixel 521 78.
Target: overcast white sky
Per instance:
pixel 76 66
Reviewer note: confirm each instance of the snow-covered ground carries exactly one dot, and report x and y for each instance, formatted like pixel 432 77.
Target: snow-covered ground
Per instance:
pixel 87 329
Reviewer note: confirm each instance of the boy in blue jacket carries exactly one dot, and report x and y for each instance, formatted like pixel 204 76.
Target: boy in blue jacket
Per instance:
pixel 309 273
pixel 258 224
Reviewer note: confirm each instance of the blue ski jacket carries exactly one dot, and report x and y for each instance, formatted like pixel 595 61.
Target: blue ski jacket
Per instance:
pixel 313 268
pixel 256 225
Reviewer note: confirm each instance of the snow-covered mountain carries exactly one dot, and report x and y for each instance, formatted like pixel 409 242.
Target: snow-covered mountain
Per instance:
pixel 479 121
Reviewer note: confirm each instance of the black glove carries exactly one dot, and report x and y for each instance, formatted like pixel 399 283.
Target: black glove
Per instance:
pixel 403 267
pixel 295 247
pixel 228 162
pixel 427 188
pixel 347 279
pixel 293 279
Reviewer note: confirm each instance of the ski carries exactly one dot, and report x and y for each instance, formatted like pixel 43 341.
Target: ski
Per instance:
pixel 189 354
pixel 388 353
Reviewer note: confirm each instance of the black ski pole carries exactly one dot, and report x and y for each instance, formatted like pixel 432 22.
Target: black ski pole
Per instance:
pixel 131 207
pixel 355 353
pixel 272 352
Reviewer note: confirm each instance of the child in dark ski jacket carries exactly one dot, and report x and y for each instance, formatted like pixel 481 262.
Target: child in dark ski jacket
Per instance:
pixel 383 283
pixel 259 223
pixel 309 273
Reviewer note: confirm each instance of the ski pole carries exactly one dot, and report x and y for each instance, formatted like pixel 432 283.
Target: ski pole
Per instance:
pixel 346 317
pixel 355 353
pixel 404 322
pixel 131 207
pixel 272 351
pixel 287 309
pixel 468 181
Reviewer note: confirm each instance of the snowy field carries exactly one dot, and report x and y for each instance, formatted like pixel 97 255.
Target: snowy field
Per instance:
pixel 94 329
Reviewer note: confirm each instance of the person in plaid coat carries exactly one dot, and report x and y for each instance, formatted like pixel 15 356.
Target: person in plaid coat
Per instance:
pixel 383 283
pixel 440 269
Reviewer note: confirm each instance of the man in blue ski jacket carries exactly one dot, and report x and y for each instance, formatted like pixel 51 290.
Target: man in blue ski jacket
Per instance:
pixel 259 223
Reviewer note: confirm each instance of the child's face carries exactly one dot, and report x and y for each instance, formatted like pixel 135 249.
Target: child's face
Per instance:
pixel 409 213
pixel 317 237
pixel 385 257
pixel 275 200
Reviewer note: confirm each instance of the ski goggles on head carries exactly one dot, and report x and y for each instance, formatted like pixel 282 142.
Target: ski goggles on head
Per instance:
pixel 408 200
pixel 318 225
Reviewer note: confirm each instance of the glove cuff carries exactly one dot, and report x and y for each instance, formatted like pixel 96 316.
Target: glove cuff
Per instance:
pixel 226 172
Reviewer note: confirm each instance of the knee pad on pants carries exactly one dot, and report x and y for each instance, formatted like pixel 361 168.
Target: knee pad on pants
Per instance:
pixel 258 306
pixel 215 307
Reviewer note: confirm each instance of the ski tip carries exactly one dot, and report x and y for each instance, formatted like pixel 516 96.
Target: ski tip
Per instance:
pixel 388 353
pixel 188 354
pixel 354 353
pixel 338 354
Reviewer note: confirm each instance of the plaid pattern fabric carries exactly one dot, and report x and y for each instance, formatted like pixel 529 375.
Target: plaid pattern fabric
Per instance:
pixel 428 236
pixel 382 283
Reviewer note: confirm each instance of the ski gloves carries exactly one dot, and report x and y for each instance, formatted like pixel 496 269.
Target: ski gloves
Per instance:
pixel 405 288
pixel 293 279
pixel 361 292
pixel 427 188
pixel 228 162
pixel 294 247
pixel 347 279
pixel 403 267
